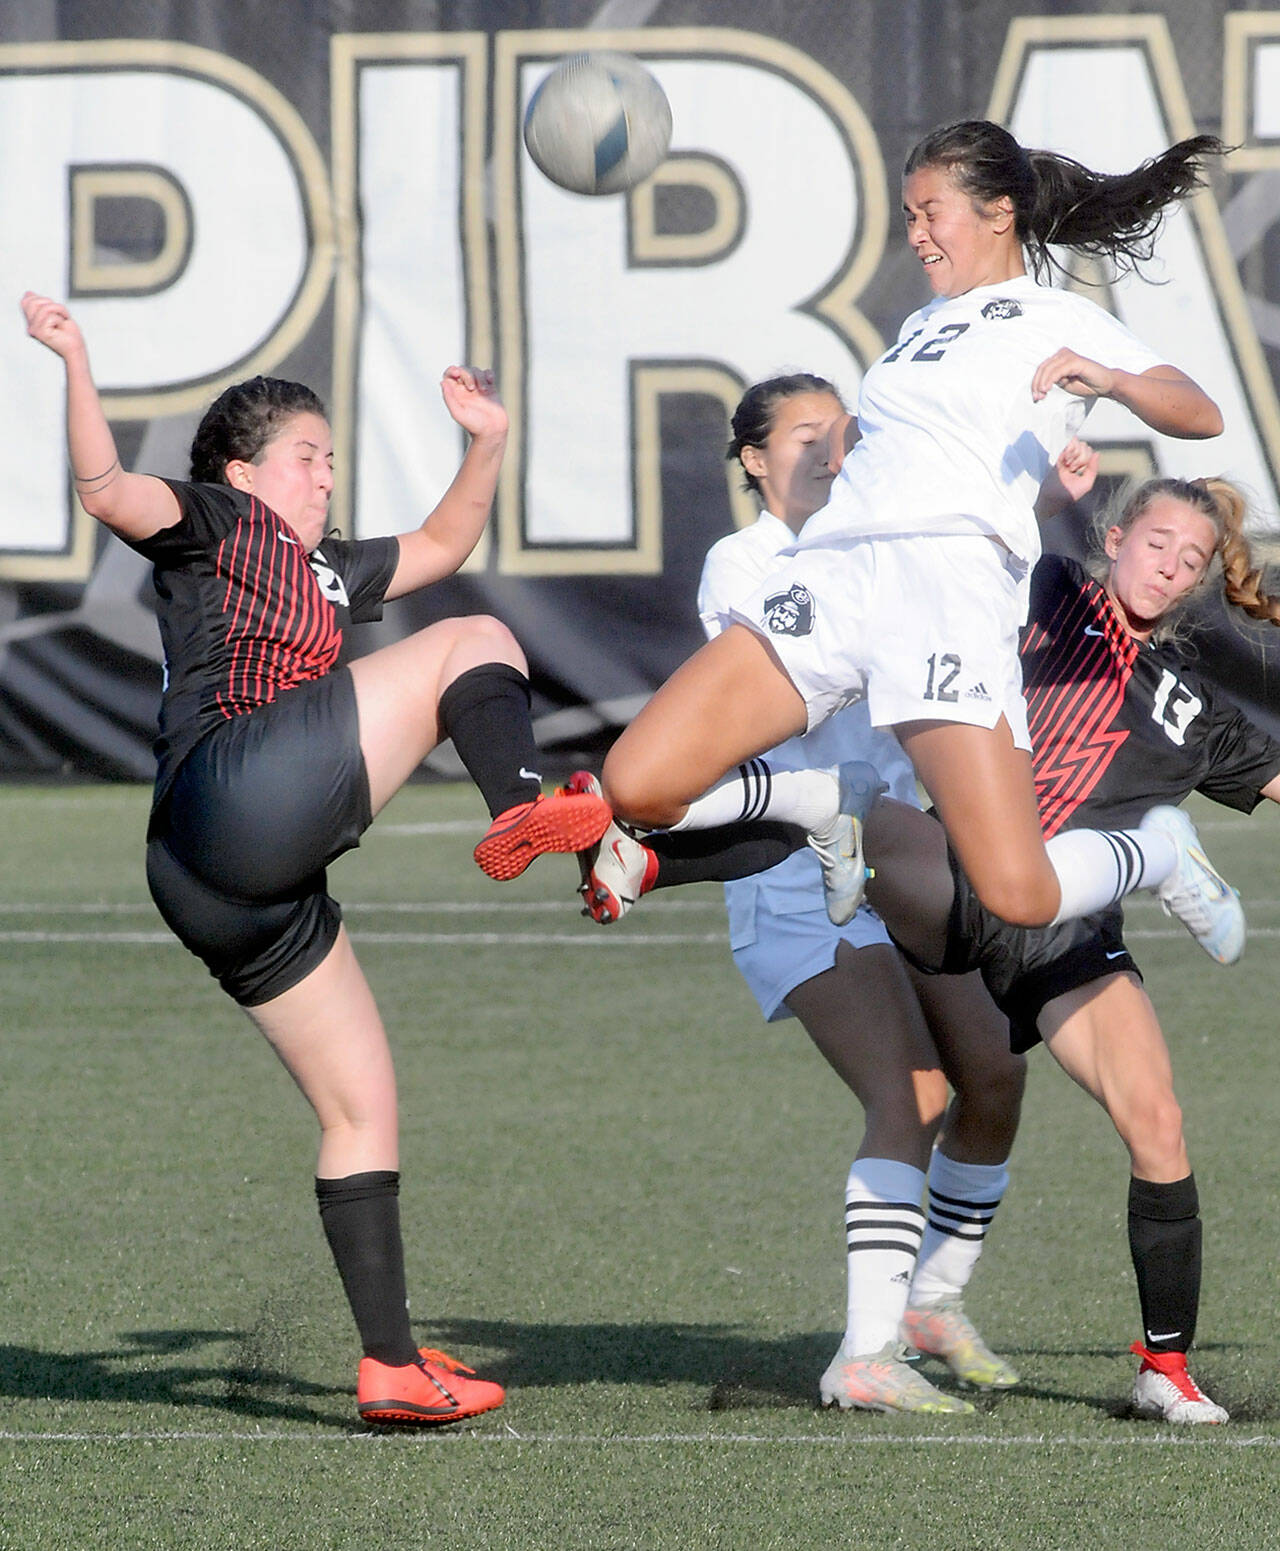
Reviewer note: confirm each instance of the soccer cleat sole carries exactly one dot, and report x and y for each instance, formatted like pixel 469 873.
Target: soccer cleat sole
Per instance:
pixel 399 1413
pixel 563 822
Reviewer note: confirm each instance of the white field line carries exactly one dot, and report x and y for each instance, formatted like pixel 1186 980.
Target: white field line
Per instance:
pixel 447 907
pixel 461 826
pixel 407 939
pixel 1206 1439
pixel 475 939
pixel 460 907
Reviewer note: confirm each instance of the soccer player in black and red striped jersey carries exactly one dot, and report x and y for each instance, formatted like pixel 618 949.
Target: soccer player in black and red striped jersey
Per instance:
pixel 273 758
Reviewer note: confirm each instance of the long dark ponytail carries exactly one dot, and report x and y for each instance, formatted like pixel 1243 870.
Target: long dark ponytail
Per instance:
pixel 1058 201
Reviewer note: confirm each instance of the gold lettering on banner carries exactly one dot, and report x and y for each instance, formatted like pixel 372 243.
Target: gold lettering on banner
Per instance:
pixel 1151 35
pixel 836 304
pixel 90 185
pixel 351 55
pixel 87 185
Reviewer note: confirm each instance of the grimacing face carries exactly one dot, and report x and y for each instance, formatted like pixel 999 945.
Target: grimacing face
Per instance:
pixel 1155 562
pixel 960 243
pixel 293 475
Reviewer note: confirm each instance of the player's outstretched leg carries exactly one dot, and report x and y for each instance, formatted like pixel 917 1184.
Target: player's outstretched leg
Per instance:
pixel 1195 892
pixel 485 711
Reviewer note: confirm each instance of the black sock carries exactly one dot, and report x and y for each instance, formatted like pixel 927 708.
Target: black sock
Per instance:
pixel 1164 1239
pixel 723 853
pixel 486 713
pixel 361 1219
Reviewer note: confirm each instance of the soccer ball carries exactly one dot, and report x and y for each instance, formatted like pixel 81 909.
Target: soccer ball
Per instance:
pixel 598 124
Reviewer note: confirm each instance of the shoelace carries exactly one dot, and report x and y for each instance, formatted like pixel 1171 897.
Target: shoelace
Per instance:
pixel 826 848
pixel 1171 1366
pixel 443 1360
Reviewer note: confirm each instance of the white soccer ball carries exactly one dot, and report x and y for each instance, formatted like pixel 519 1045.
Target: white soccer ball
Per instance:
pixel 598 124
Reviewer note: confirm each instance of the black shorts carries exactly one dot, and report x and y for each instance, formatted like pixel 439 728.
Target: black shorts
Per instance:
pixel 1024 967
pixel 238 848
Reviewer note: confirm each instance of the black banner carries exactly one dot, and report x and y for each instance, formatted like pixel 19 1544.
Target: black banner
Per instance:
pixel 252 190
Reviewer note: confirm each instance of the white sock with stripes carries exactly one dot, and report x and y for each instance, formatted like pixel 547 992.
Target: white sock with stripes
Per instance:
pixel 963 1198
pixel 809 798
pixel 883 1228
pixel 1097 867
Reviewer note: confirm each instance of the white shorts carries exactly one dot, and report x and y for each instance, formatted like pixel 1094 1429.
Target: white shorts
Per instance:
pixel 924 626
pixel 790 949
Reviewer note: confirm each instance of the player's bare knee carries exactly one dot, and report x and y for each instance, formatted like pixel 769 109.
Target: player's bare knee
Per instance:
pixel 1021 901
pixel 1163 1126
pixel 472 641
pixel 1152 1131
pixel 633 799
pixel 493 637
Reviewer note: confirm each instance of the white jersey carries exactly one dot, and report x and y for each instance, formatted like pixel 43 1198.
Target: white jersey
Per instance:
pixel 734 567
pixel 952 441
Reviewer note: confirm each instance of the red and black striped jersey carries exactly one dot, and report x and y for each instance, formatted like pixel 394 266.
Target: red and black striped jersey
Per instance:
pixel 1117 725
pixel 245 613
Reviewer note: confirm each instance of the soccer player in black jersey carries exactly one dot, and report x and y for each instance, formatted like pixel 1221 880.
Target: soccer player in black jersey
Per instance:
pixel 273 759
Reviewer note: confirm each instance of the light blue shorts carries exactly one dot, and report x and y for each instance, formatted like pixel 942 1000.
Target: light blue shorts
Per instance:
pixel 790 949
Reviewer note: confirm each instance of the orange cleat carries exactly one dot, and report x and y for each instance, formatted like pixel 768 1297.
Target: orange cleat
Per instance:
pixel 432 1390
pixel 566 821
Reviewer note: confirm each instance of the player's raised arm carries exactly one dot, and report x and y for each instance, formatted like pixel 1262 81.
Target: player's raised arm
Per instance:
pixel 453 529
pixel 1162 397
pixel 132 505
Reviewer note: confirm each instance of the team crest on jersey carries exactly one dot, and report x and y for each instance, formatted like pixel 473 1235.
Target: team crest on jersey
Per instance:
pixel 790 612
pixel 1002 307
pixel 330 581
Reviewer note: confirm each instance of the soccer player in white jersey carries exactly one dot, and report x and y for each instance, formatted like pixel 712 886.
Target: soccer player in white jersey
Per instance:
pixel 894 1036
pixel 908 589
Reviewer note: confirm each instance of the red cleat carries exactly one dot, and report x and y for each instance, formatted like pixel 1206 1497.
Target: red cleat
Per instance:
pixel 565 821
pixel 1166 1391
pixel 427 1392
pixel 616 870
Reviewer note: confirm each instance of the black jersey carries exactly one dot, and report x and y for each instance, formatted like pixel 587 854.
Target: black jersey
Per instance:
pixel 1118 725
pixel 245 613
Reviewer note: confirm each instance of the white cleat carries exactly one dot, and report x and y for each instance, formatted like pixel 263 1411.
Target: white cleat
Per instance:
pixel 1195 892
pixel 838 844
pixel 883 1381
pixel 615 871
pixel 1165 1391
pixel 944 1330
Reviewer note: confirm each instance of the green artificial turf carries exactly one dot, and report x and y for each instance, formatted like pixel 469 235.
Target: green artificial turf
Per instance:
pixel 622 1196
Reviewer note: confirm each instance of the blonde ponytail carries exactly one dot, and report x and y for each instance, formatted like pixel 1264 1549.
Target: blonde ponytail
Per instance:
pixel 1242 575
